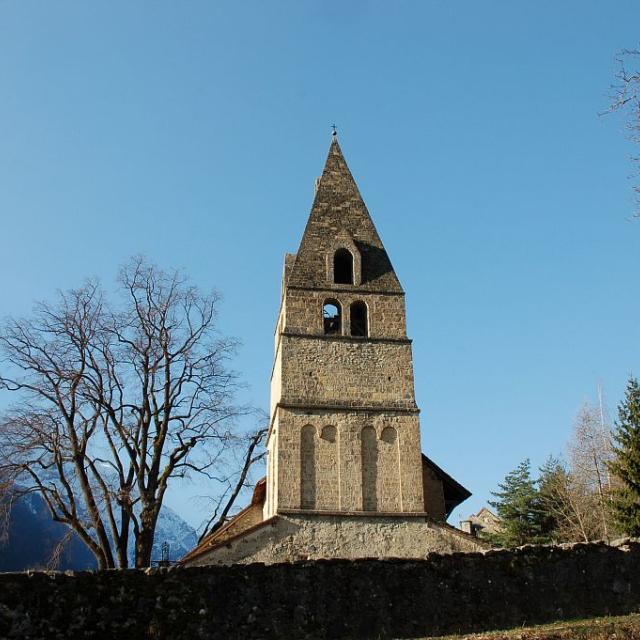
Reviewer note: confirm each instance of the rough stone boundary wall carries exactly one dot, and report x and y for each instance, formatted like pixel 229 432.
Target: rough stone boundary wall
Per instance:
pixel 329 598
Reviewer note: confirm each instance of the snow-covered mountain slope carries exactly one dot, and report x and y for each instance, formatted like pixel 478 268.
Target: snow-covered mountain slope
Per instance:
pixel 173 530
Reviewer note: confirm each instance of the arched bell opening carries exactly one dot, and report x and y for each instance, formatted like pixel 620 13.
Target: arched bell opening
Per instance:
pixel 332 317
pixel 343 267
pixel 359 319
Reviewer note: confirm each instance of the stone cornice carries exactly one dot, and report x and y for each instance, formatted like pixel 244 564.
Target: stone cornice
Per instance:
pixel 301 406
pixel 346 288
pixel 354 339
pixel 358 514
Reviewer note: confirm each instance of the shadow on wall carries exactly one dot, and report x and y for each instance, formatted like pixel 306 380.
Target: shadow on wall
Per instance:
pixel 375 261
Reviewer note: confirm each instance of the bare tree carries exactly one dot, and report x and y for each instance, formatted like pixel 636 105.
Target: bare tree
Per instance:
pixel 626 98
pixel 589 454
pixel 567 505
pixel 116 401
pixel 576 497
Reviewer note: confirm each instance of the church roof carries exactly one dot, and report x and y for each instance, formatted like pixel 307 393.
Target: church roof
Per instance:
pixel 233 528
pixel 454 492
pixel 339 212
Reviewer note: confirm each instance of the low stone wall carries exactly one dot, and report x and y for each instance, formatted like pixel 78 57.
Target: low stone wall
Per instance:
pixel 460 592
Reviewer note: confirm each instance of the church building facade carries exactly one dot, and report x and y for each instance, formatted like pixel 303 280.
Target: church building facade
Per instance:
pixel 346 476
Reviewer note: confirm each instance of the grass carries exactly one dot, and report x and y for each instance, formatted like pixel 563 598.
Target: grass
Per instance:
pixel 606 628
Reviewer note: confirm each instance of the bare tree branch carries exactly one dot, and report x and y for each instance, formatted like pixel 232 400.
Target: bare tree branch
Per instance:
pixel 625 98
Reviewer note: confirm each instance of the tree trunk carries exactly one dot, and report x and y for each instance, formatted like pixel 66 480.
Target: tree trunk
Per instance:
pixel 144 545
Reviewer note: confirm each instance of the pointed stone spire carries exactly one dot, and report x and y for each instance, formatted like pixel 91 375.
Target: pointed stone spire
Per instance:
pixel 339 212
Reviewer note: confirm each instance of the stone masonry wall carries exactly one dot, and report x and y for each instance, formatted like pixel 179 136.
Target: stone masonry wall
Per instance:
pixel 339 483
pixel 313 536
pixel 329 599
pixel 346 372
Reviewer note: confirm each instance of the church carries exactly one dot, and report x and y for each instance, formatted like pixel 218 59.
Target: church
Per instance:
pixel 346 476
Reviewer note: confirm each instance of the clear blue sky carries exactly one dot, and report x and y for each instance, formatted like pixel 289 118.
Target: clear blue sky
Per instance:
pixel 193 131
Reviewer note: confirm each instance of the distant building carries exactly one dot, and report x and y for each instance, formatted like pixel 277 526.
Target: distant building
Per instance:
pixel 345 474
pixel 484 521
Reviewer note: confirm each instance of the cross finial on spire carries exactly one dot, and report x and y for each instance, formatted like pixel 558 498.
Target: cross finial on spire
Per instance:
pixel 335 131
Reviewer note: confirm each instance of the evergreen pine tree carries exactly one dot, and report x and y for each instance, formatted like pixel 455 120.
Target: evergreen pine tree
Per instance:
pixel 518 508
pixel 552 489
pixel 626 462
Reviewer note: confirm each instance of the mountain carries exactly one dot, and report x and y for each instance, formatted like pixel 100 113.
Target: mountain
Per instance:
pixel 33 536
pixel 173 530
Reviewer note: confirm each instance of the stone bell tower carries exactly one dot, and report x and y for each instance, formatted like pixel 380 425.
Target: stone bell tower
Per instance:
pixel 345 433
pixel 346 477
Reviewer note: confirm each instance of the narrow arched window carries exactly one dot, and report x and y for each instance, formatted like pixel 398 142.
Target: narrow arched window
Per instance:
pixel 359 320
pixel 308 467
pixel 343 267
pixel 369 463
pixel 332 317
